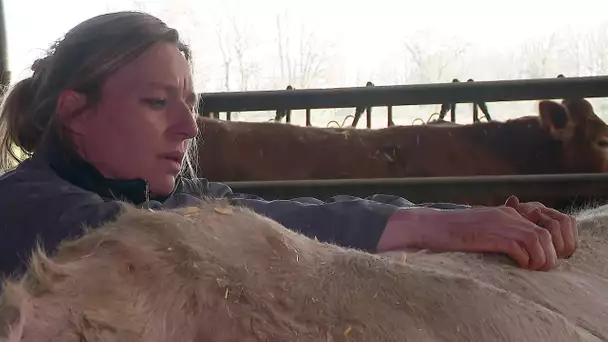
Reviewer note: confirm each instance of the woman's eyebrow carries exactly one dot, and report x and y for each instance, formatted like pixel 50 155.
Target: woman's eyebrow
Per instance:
pixel 191 97
pixel 164 86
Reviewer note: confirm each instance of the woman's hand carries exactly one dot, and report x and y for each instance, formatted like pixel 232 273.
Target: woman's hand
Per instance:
pixel 562 227
pixel 508 229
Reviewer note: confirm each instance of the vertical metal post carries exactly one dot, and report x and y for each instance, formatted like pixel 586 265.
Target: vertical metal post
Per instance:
pixel 5 74
pixel 475 112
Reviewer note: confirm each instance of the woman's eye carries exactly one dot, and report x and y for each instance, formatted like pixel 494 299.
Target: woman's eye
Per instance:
pixel 156 103
pixel 603 143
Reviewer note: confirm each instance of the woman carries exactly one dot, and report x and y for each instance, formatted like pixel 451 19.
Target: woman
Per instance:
pixel 108 115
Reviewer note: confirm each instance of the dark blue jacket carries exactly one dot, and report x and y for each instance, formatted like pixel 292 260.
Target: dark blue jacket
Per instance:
pixel 50 196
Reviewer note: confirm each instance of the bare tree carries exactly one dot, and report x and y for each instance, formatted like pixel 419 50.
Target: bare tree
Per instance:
pixel 585 53
pixel 306 62
pixel 595 51
pixel 571 54
pixel 283 45
pixel 236 49
pixel 248 68
pixel 423 64
pixel 538 56
pixel 226 56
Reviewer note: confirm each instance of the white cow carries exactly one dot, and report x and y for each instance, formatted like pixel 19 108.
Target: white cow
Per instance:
pixel 221 273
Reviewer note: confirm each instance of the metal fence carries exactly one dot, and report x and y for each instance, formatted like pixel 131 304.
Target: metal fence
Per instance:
pixel 390 96
pixel 452 189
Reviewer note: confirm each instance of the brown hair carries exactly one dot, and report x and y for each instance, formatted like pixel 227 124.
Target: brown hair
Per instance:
pixel 87 55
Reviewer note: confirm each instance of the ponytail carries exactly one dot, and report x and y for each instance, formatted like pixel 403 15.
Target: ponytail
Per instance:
pixel 20 129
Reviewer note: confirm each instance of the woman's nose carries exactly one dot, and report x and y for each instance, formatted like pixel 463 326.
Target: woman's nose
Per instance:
pixel 190 125
pixel 186 123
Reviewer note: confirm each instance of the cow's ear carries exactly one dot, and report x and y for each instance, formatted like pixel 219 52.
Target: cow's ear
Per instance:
pixel 579 110
pixel 555 118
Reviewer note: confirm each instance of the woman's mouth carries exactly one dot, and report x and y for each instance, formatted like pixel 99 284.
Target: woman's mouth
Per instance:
pixel 175 159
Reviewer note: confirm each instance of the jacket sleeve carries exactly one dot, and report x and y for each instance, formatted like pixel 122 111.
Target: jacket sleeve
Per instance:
pixel 45 213
pixel 343 220
pixel 48 211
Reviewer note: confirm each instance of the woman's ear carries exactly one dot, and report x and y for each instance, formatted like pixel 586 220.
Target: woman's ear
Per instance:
pixel 70 109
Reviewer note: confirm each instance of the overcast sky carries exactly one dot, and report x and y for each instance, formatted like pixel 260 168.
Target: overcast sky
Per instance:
pixel 33 24
pixel 366 35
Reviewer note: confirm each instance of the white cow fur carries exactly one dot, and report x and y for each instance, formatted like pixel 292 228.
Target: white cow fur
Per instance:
pixel 219 273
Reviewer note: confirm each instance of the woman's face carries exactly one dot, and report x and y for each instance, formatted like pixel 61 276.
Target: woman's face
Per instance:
pixel 144 120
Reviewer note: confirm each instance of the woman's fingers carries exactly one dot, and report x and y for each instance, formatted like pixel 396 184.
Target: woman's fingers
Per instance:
pixel 562 227
pixel 538 241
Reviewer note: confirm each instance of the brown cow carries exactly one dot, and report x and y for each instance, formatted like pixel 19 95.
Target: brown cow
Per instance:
pixel 220 273
pixel 564 138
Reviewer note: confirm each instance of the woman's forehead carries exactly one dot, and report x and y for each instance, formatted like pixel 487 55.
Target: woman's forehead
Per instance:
pixel 162 65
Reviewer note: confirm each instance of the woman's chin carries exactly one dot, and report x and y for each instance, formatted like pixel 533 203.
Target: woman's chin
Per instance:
pixel 162 186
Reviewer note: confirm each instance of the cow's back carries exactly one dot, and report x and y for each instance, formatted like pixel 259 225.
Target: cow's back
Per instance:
pixel 577 289
pixel 244 151
pixel 219 273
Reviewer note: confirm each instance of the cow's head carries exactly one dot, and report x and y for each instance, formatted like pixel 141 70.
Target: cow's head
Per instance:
pixel 583 134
